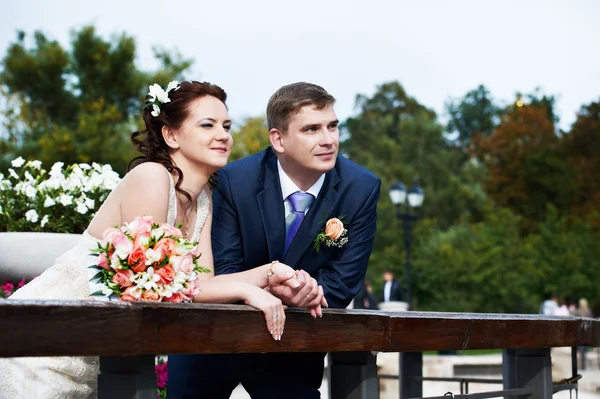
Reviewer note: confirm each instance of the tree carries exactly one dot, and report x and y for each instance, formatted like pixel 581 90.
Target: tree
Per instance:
pixel 525 169
pixel 397 138
pixel 565 251
pixel 480 267
pixel 71 103
pixel 251 138
pixel 540 100
pixel 476 113
pixel 581 146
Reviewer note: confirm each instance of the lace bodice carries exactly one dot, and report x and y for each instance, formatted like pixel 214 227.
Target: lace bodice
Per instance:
pixel 202 209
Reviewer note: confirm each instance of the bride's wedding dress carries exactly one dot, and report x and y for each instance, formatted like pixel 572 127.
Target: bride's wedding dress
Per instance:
pixel 67 279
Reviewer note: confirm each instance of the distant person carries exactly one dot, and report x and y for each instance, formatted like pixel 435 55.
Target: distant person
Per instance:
pixel 365 298
pixel 562 309
pixel 549 305
pixel 392 290
pixel 583 310
pixel 572 306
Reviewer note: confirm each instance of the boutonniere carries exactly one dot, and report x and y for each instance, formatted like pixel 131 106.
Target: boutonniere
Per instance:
pixel 333 235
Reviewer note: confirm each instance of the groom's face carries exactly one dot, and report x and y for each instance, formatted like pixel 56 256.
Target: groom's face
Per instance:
pixel 312 139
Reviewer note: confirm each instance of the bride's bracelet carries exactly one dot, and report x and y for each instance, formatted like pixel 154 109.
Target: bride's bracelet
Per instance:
pixel 270 274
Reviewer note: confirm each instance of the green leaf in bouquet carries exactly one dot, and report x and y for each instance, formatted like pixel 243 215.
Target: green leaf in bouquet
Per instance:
pixel 201 269
pixel 98 276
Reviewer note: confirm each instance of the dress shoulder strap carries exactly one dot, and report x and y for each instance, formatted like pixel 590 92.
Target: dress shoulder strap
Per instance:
pixel 172 211
pixel 202 211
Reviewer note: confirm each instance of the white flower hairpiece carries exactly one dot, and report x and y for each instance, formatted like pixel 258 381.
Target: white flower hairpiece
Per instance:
pixel 159 96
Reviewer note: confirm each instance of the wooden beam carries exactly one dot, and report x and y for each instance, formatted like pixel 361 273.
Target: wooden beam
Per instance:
pixel 53 328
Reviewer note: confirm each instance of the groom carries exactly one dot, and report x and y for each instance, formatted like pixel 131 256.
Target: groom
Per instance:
pixel 272 206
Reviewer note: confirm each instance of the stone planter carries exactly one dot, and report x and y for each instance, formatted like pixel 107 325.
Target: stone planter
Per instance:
pixel 27 255
pixel 393 306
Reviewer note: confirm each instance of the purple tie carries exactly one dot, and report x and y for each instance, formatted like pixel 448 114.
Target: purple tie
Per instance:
pixel 299 201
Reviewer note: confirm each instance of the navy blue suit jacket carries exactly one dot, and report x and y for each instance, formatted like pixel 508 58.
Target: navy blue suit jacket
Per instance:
pixel 249 224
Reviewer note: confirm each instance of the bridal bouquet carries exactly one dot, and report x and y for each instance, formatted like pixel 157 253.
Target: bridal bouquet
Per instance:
pixel 144 261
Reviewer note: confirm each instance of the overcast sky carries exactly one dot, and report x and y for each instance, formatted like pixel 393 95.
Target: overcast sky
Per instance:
pixel 436 49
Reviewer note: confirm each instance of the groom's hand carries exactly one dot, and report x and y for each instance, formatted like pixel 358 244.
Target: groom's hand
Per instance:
pixel 308 294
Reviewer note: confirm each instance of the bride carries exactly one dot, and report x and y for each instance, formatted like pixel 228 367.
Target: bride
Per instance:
pixel 186 140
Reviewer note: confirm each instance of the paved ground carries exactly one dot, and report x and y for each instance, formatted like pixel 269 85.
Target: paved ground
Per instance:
pixel 440 388
pixel 561 360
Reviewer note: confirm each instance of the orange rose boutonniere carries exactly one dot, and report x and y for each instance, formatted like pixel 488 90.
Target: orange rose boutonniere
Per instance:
pixel 333 235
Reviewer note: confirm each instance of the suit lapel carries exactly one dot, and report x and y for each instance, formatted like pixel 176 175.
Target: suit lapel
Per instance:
pixel 270 204
pixel 315 219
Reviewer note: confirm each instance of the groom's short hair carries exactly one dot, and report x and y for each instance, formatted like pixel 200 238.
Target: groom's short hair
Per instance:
pixel 289 99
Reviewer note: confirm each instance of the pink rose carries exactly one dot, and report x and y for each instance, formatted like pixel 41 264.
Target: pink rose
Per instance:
pixel 188 293
pixel 125 297
pixel 144 223
pixel 334 228
pixel 129 295
pixel 172 231
pixel 142 238
pixel 166 246
pixel 103 261
pixel 150 296
pixel 166 274
pixel 123 278
pixel 141 230
pixel 122 244
pixel 183 263
pixel 174 298
pixel 137 259
pixel 110 233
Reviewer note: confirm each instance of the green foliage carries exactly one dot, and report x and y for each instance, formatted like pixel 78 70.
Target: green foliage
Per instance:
pixel 540 100
pixel 399 139
pixel 55 200
pixel 567 254
pixel 251 138
pixel 476 113
pixel 526 170
pixel 482 267
pixel 581 148
pixel 495 233
pixel 65 104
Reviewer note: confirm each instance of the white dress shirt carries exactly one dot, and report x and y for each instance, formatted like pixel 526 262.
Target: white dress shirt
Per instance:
pixel 288 187
pixel 387 291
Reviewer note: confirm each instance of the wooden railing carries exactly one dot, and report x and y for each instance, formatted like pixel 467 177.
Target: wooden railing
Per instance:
pixel 127 335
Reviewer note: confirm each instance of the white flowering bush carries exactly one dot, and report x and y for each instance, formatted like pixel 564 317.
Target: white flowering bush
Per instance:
pixel 62 200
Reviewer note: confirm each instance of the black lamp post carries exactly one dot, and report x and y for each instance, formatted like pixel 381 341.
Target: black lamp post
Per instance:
pixel 406 210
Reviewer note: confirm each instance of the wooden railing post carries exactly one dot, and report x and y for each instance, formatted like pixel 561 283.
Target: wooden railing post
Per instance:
pixel 411 369
pixel 528 368
pixel 353 375
pixel 127 377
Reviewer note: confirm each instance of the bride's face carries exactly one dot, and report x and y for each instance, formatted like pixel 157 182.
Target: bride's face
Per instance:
pixel 204 137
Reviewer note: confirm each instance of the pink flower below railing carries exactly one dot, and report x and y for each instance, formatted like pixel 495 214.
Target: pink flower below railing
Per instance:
pixel 8 288
pixel 160 370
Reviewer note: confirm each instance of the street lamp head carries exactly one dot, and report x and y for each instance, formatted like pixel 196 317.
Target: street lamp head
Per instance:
pixel 398 193
pixel 415 196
